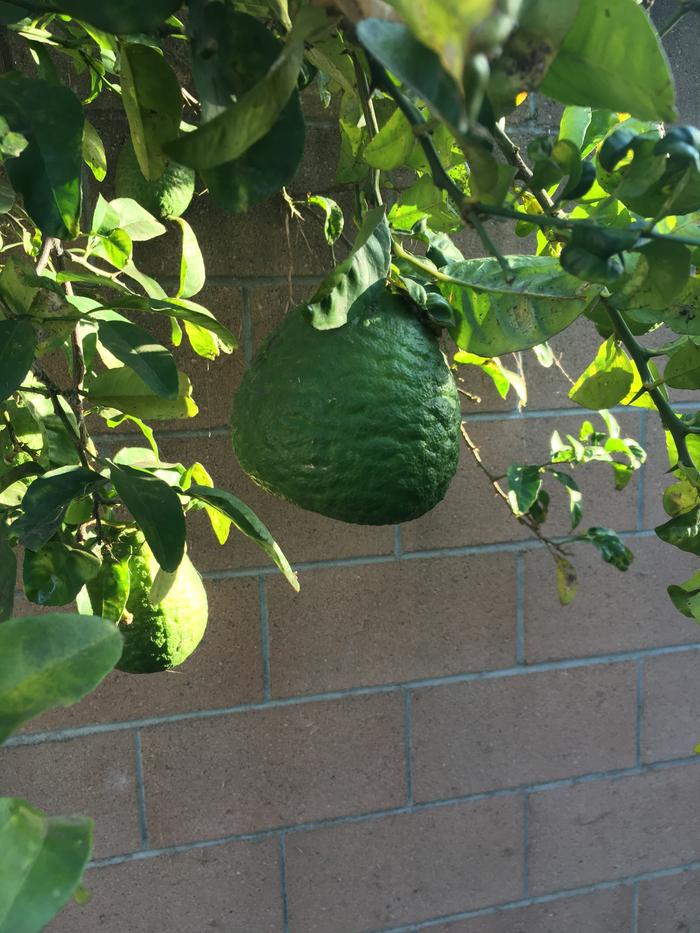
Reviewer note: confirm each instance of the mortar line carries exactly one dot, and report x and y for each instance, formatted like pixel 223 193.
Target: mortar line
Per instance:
pixel 526 844
pixel 408 745
pixel 375 815
pixel 282 860
pixel 247 326
pixel 626 881
pixel 641 472
pixel 397 541
pixel 635 907
pixel 264 638
pixel 639 709
pixel 140 790
pixel 520 608
pixel 59 735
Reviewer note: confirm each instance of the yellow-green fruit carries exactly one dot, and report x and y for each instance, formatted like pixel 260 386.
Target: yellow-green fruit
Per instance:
pixel 167 196
pixel 360 423
pixel 157 638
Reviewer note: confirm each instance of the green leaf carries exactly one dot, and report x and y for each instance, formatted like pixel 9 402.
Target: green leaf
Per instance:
pixel 192 272
pixel 423 201
pixel 41 863
pixel 611 548
pixel 567 581
pixel 247 522
pixel 109 590
pixel 589 266
pixel 367 264
pixel 117 16
pixel 682 531
pixel 497 317
pixel 234 130
pixel 51 660
pixel 54 574
pixel 606 381
pixel 333 216
pixel 127 215
pixel 220 523
pixel 575 497
pixel 45 502
pixel 124 391
pixel 391 146
pixel 94 154
pixel 7 197
pixel 446 27
pixel 17 352
pixel 574 123
pixel 524 483
pixel 47 173
pixel 153 105
pixel 116 248
pixel 668 269
pixel 137 349
pixel 683 368
pixel 684 596
pixel 181 309
pixel 157 511
pixel 680 497
pixel 8 574
pixel 594 67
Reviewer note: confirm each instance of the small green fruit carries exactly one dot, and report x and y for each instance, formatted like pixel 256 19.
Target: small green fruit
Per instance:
pixel 166 197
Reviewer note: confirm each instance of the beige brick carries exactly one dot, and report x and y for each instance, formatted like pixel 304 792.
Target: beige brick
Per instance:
pixel 612 611
pixel 472 513
pixel 92 775
pixel 303 536
pixel 228 887
pixel 487 734
pixel 401 869
pixel 670 905
pixel 225 670
pixel 251 771
pixel 316 174
pixel 574 349
pixel 354 626
pixel 602 912
pixel 671 711
pixel 608 829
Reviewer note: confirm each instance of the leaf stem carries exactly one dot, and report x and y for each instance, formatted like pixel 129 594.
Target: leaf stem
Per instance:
pixel 512 153
pixel 365 94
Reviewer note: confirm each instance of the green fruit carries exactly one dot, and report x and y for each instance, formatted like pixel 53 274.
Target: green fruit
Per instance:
pixel 167 196
pixel 157 638
pixel 360 423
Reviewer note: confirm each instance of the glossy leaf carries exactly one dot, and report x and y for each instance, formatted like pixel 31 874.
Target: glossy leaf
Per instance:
pixel 183 310
pixel 606 381
pixel 45 502
pixel 47 172
pixel 94 151
pixel 247 522
pixel 611 547
pixel 496 317
pixel 418 66
pixel 109 590
pixel 391 146
pixel 334 220
pixel 54 574
pixel 594 67
pixel 157 511
pixel 683 368
pixel 42 859
pixel 243 123
pixel 686 597
pixel 367 265
pixel 682 531
pixel 574 123
pixel 153 105
pixel 575 497
pixel 567 581
pixel 192 272
pixel 136 348
pixel 220 523
pixel 127 215
pixel 124 391
pixel 17 351
pixel 51 660
pixel 524 484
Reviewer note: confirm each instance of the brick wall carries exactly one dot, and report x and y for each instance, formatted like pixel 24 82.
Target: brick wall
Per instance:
pixel 422 738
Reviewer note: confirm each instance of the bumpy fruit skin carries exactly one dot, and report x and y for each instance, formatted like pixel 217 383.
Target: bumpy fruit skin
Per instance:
pixel 157 638
pixel 360 423
pixel 167 196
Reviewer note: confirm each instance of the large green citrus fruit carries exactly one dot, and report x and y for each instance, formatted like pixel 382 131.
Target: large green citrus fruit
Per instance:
pixel 159 637
pixel 167 196
pixel 360 423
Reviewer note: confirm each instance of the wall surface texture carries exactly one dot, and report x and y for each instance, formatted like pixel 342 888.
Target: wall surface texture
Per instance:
pixel 422 738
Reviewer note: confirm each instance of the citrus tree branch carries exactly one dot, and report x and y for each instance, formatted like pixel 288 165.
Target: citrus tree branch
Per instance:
pixel 512 153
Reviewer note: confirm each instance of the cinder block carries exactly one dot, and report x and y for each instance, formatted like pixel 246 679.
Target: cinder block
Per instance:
pixel 402 869
pixel 353 626
pixel 671 718
pixel 612 611
pixel 251 771
pixel 92 775
pixel 605 829
pixel 483 735
pixel 227 887
pixel 670 905
pixel 601 912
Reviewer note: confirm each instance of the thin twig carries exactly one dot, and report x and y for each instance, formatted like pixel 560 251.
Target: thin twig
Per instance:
pixel 673 20
pixel 512 153
pixel 365 94
pixel 45 255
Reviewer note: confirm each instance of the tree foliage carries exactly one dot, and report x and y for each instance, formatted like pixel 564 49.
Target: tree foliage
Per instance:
pixel 607 203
